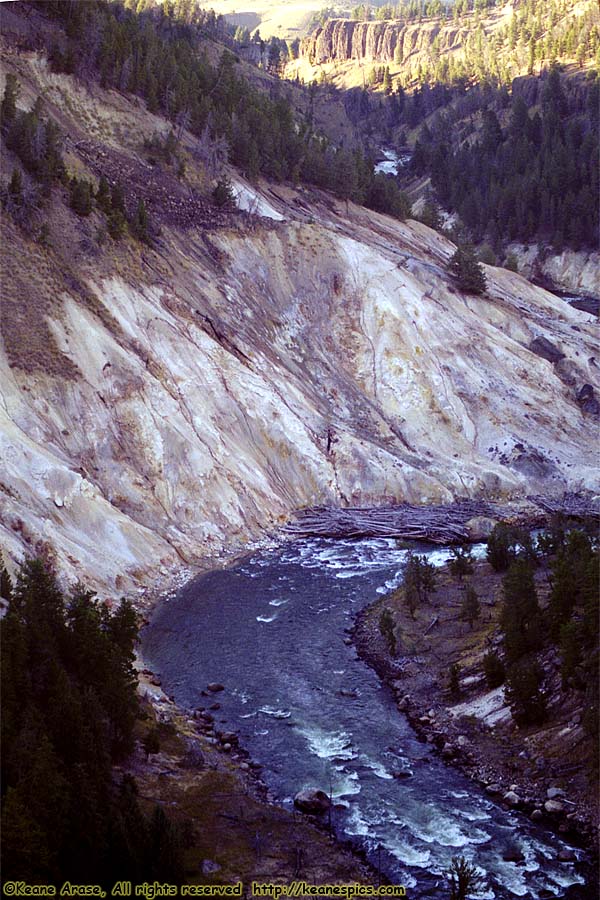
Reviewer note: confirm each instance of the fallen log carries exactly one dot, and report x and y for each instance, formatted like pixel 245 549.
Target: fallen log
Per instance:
pixel 433 622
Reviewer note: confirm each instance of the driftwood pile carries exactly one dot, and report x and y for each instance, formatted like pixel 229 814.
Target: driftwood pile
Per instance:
pixel 574 506
pixel 437 524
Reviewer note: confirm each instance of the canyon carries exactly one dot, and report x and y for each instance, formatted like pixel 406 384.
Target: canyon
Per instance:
pixel 171 402
pixel 166 407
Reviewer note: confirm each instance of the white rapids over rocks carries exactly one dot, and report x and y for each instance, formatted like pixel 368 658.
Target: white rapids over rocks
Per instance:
pixel 314 716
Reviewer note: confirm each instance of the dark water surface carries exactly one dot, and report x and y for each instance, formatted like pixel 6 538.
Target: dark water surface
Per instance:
pixel 272 631
pixel 584 302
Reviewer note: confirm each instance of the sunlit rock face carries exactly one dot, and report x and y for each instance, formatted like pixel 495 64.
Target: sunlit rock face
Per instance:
pixel 343 39
pixel 322 361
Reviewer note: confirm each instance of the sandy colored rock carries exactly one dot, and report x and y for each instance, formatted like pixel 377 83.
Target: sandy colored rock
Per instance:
pixel 214 384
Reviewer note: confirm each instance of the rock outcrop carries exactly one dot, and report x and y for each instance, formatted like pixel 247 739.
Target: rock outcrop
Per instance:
pixel 344 39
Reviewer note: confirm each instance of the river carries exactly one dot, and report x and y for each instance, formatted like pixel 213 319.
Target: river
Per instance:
pixel 392 161
pixel 273 630
pixel 584 302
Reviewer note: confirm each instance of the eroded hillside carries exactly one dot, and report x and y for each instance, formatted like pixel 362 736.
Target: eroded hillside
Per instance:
pixel 163 405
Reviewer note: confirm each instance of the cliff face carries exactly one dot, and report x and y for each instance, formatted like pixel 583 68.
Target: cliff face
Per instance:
pixel 313 368
pixel 160 405
pixel 343 39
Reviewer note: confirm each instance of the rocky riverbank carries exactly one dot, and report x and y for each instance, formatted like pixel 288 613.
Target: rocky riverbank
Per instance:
pixel 543 772
pixel 209 785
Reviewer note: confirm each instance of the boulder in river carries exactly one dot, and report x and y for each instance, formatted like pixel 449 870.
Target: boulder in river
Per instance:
pixel 554 793
pixel 512 798
pixel 214 687
pixel 513 853
pixel 312 800
pixel 553 806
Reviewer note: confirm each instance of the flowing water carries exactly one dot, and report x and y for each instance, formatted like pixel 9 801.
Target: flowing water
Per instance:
pixel 392 162
pixel 273 630
pixel 584 302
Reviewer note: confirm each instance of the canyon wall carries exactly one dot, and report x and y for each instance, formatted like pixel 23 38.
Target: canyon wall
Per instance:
pixel 163 405
pixel 313 366
pixel 344 39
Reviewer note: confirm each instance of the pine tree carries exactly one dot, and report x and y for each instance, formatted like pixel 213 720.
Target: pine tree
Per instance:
pixel 6 585
pixel 467 271
pixel 25 848
pixel 68 709
pixel 419 582
pixel 117 198
pixel 571 654
pixel 387 629
pixel 8 107
pixel 572 579
pixel 164 862
pixel 15 186
pixel 454 680
pixel 462 875
pixel 81 197
pixel 502 546
pixel 470 608
pixel 141 224
pixel 116 224
pixel 151 742
pixel 103 196
pixel 387 80
pixel 430 215
pixel 493 669
pixel 524 692
pixel 461 562
pixel 223 194
pixel 520 617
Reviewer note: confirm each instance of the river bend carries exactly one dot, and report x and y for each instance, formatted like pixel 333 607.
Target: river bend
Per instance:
pixel 273 630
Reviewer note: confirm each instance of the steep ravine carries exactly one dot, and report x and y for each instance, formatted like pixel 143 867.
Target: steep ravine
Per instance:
pixel 165 405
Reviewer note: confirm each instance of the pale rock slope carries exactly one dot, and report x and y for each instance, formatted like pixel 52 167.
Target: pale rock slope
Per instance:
pixel 163 408
pixel 323 361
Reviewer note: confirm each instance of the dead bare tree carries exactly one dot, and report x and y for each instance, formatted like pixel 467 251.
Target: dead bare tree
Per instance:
pixel 213 152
